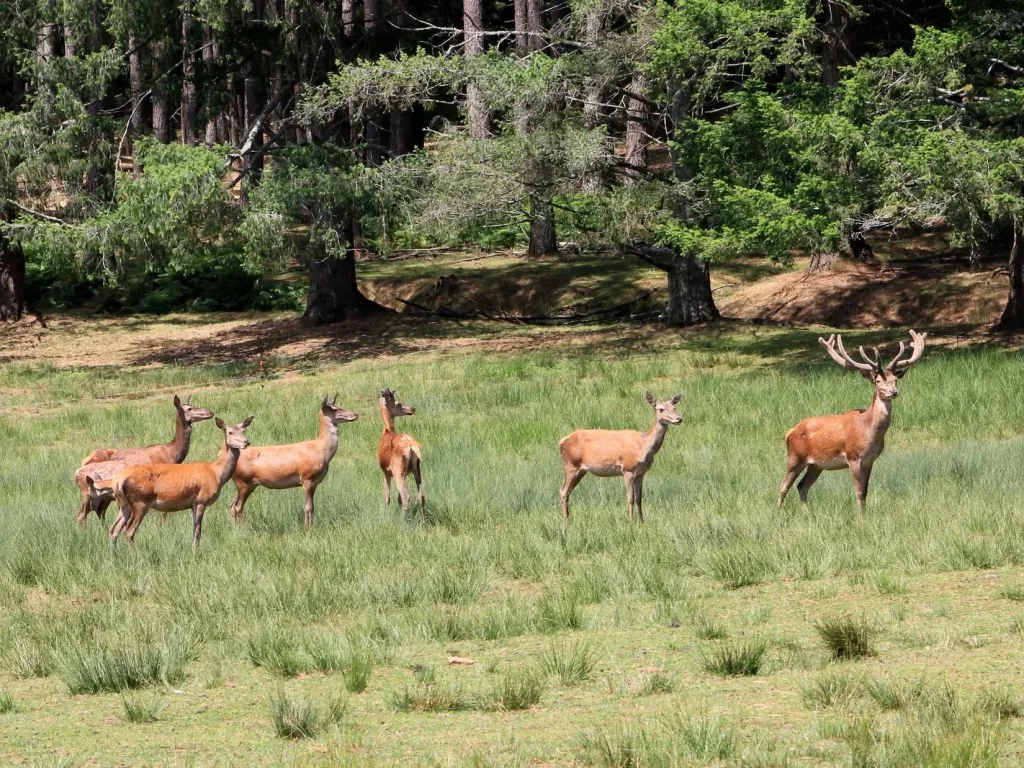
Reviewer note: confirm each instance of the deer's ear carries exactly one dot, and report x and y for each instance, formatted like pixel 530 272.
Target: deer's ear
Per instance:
pixel 899 374
pixel 676 398
pixel 869 375
pixel 219 422
pixel 247 421
pixel 650 397
pixel 177 402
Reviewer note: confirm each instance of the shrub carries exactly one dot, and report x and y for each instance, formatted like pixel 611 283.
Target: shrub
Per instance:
pixel 845 637
pixel 744 657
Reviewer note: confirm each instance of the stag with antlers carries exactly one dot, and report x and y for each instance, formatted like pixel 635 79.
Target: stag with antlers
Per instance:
pixel 854 439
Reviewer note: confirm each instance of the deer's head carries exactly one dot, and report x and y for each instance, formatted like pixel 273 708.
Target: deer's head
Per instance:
pixel 885 378
pixel 392 406
pixel 335 413
pixel 234 435
pixel 188 413
pixel 665 412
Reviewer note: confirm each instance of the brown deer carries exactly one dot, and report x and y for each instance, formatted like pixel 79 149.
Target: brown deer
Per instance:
pixel 612 452
pixel 398 454
pixel 102 464
pixel 174 487
pixel 173 452
pixel 853 439
pixel 289 466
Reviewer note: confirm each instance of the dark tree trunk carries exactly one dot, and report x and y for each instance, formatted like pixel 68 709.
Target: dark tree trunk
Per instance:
pixel 253 106
pixel 689 292
pixel 636 128
pixel 161 127
pixel 189 137
pixel 333 292
pixel 592 180
pixel 12 280
pixel 373 131
pixel 1012 318
pixel 522 26
pixel 472 27
pixel 211 54
pixel 836 34
pixel 138 121
pixel 542 225
pixel 535 24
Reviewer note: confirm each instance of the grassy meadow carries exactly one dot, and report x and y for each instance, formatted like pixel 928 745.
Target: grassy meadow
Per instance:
pixel 720 632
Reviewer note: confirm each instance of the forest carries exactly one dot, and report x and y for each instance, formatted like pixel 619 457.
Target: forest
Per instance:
pixel 201 148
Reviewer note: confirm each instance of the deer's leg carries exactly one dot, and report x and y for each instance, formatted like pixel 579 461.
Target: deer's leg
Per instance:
pixel 403 489
pixel 387 487
pixel 793 470
pixel 861 475
pixel 137 514
pixel 309 488
pixel 572 479
pixel 119 524
pixel 419 484
pixel 197 524
pixel 83 511
pixel 629 478
pixel 638 494
pixel 804 486
pixel 237 509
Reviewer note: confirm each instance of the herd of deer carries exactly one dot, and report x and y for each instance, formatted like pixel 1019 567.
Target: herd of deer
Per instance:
pixel 140 479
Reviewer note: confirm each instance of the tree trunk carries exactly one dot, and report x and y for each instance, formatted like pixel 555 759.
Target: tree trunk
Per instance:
pixel 535 24
pixel 636 129
pixel 12 280
pixel 373 132
pixel 542 225
pixel 210 58
pixel 161 127
pixel 188 79
pixel 253 106
pixel 46 42
pixel 69 42
pixel 689 292
pixel 334 293
pixel 472 27
pixel 592 179
pixel 522 27
pixel 348 19
pixel 1013 314
pixel 836 34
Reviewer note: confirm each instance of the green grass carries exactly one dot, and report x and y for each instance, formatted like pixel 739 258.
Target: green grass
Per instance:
pixel 572 664
pixel 846 637
pixel 303 717
pixel 7 703
pixel 715 585
pixel 142 709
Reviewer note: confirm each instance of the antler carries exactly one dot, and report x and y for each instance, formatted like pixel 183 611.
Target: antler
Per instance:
pixel 916 344
pixel 834 347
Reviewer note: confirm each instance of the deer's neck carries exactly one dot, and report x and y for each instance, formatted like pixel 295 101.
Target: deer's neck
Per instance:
pixel 388 419
pixel 328 437
pixel 224 466
pixel 182 438
pixel 653 438
pixel 877 417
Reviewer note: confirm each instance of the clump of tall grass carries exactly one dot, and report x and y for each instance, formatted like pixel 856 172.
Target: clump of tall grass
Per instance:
pixel 7 703
pixel 571 664
pixel 739 567
pixel 516 691
pixel 891 695
pixel 705 737
pixel 559 612
pixel 830 689
pixel 651 683
pixel 669 742
pixel 619 748
pixel 303 717
pixel 887 584
pixel 846 637
pixel 457 585
pixel 31 659
pixel 142 709
pixel 122 667
pixel 1000 703
pixel 706 628
pixel 277 652
pixel 357 670
pixel 434 696
pixel 1016 594
pixel 740 657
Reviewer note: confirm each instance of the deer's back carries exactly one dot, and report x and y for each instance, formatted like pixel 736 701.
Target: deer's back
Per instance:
pixel 395 445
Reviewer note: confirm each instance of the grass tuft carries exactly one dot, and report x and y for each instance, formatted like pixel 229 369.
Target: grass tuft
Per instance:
pixel 430 697
pixel 358 668
pixel 515 692
pixel 1000 703
pixel 122 667
pixel 744 657
pixel 830 689
pixel 142 709
pixel 846 637
pixel 739 567
pixel 7 703
pixel 28 659
pixel 572 664
pixel 303 717
pixel 276 651
pixel 654 682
